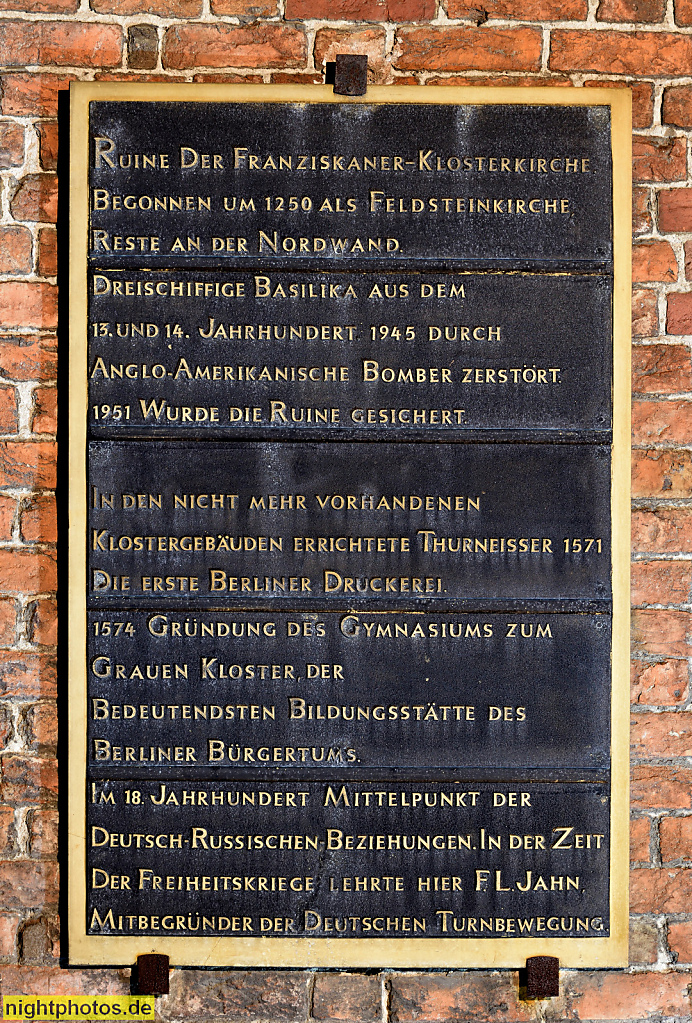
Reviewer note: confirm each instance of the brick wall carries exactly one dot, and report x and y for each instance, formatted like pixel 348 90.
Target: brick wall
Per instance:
pixel 646 44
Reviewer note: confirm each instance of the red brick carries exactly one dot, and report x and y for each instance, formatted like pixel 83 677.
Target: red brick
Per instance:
pixel 658 159
pixel 370 41
pixel 43 622
pixel 8 509
pixel 43 833
pixel 661 473
pixel 8 622
pixel 15 250
pixel 460 48
pixel 683 12
pixel 654 261
pixel 677 106
pixel 679 317
pixel 11 144
pixel 349 997
pixel 42 726
pixel 523 10
pixel 642 220
pixel 244 8
pixel 27 463
pixel 656 422
pixel 680 940
pixel 8 834
pixel 458 996
pixel 660 891
pixel 8 409
pixel 39 520
pixel 661 633
pixel 36 197
pixel 640 834
pixel 362 10
pixel 642 99
pixel 676 838
pixel 228 77
pixel 27 779
pixel 47 252
pixel 32 95
pixel 164 8
pixel 272 995
pixel 25 304
pixel 45 418
pixel 26 675
pixel 223 45
pixel 498 81
pixel 40 6
pixel 660 683
pixel 297 78
pixel 128 76
pixel 26 572
pixel 48 144
pixel 665 735
pixel 661 582
pixel 60 42
pixel 28 357
pixel 644 313
pixel 631 10
pixel 601 995
pixel 621 53
pixel 9 924
pixel 653 787
pixel 643 940
pixel 17 980
pixel 26 884
pixel 675 207
pixel 663 530
pixel 656 369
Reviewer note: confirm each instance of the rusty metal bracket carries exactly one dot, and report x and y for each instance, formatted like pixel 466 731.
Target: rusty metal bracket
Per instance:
pixel 542 977
pixel 152 974
pixel 351 74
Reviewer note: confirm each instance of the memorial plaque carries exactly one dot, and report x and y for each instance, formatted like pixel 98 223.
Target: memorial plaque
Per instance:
pixel 348 526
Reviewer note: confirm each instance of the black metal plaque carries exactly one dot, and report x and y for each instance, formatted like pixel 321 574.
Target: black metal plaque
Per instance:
pixel 348 582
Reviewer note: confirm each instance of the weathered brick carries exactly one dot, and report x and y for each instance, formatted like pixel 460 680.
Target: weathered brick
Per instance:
pixel 621 53
pixel 45 412
pixel 653 787
pixel 43 622
pixel 642 99
pixel 661 473
pixel 26 572
pixel 345 996
pixel 631 10
pixel 611 995
pixel 664 735
pixel 25 674
pixel 675 208
pixel 28 884
pixel 8 409
pixel 38 523
pixel 654 261
pixel 8 510
pixel 47 253
pixel 40 6
pixel 6 727
pixel 667 890
pixel 8 623
pixel 680 940
pixel 42 826
pixel 656 369
pixel 15 250
pixel 655 422
pixel 27 779
pixel 297 78
pixel 127 76
pixel 164 8
pixel 273 995
pixel 28 357
pixel 11 144
pixel 676 838
pixel 661 634
pixel 523 10
pixel 244 8
pixel 371 41
pixel 32 95
pixel 643 940
pixel 462 48
pixel 644 313
pixel 26 304
pixel 38 939
pixel 66 43
pixel 227 77
pixel 27 463
pixel 48 144
pixel 36 197
pixel 17 980
pixel 658 159
pixel 659 683
pixel 458 996
pixel 679 315
pixel 640 837
pixel 223 45
pixel 9 925
pixel 661 582
pixel 662 530
pixel 142 47
pixel 642 219
pixel 683 12
pixel 42 727
pixel 496 81
pixel 676 108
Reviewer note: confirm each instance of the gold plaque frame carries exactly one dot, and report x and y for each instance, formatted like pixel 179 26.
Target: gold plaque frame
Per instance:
pixel 412 953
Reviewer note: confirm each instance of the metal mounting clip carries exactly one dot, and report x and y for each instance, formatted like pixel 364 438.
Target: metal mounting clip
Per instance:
pixel 152 974
pixel 351 74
